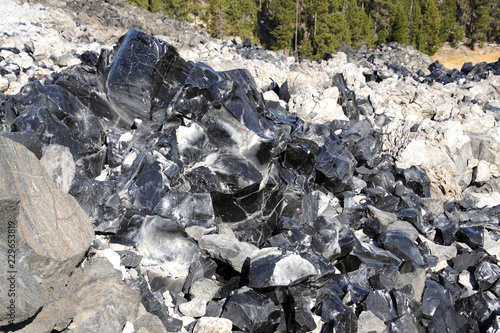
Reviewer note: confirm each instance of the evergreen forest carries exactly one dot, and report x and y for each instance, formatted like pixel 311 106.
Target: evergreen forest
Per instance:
pixel 309 28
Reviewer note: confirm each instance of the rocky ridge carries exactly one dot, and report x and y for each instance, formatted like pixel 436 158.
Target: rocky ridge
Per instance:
pixel 358 193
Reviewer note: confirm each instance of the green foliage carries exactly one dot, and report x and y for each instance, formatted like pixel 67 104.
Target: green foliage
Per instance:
pixel 361 25
pixel 283 20
pixel 140 3
pixel 382 12
pixel 155 6
pixel 242 18
pixel 451 31
pixel 432 27
pixel 325 25
pixel 400 25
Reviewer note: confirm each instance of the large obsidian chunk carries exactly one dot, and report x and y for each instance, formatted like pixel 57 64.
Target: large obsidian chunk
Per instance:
pixel 128 73
pixel 251 312
pixel 100 203
pixel 56 116
pixel 399 244
pixel 347 98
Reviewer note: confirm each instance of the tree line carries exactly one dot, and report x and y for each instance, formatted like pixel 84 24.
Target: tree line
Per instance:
pixel 309 28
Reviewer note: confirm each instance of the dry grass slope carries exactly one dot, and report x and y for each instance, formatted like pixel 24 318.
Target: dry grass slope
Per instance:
pixel 455 58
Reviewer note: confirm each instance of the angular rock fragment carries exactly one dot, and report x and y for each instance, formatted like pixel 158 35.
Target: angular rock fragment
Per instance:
pixel 213 325
pixel 99 285
pixel 166 248
pixel 368 322
pixel 57 117
pixel 250 311
pixel 472 236
pixel 228 249
pixel 432 297
pixel 270 267
pixel 398 243
pixel 100 202
pixel 486 274
pixel 104 320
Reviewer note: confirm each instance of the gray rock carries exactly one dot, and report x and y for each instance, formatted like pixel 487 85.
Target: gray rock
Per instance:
pixel 406 227
pixel 150 323
pixel 60 307
pixel 368 322
pixel 194 308
pixel 287 268
pixel 54 231
pixel 228 249
pixel 21 294
pixel 104 320
pixel 58 162
pixel 385 218
pixel 416 279
pixel 99 285
pixel 53 316
pixel 434 206
pixel 205 289
pixel 165 248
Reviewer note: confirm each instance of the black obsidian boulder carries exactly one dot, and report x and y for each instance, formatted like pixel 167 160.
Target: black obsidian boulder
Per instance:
pixel 251 312
pixel 347 98
pixel 100 203
pixel 398 243
pixel 55 116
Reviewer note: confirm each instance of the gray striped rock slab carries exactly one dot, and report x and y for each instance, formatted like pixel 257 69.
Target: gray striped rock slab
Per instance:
pixel 54 232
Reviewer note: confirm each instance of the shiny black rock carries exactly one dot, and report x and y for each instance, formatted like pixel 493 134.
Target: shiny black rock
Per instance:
pixel 399 244
pixel 251 312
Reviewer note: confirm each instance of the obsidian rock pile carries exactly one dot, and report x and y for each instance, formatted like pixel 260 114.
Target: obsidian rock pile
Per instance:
pixel 290 226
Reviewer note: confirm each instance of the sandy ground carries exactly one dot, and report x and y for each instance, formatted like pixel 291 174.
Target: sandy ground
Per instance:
pixel 455 58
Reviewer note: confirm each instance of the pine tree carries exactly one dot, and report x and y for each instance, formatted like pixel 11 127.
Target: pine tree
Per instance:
pixel 432 27
pixel 381 11
pixel 305 48
pixel 360 25
pixel 330 23
pixel 416 27
pixel 155 6
pixel 216 19
pixel 400 25
pixel 283 22
pixel 451 31
pixel 195 8
pixel 486 22
pixel 246 24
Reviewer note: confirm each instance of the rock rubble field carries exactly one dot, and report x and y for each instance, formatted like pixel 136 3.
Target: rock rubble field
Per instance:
pixel 154 179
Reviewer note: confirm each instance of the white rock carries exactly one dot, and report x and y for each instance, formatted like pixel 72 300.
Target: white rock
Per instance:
pixel 204 289
pixel 482 172
pixel 128 328
pixel 113 258
pixel 465 278
pixel 368 322
pixel 194 308
pixel 58 162
pixel 213 325
pixel 270 95
pixel 4 84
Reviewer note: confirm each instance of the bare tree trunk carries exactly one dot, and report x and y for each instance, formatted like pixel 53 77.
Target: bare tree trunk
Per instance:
pixel 296 25
pixel 315 16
